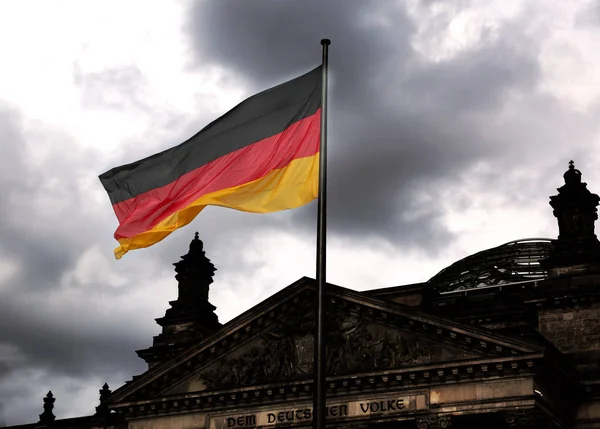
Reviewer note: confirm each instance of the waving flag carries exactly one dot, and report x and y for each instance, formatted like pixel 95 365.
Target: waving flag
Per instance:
pixel 262 156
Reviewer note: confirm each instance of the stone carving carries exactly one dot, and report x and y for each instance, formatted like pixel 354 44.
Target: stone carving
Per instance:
pixel 522 419
pixel 359 346
pixel 434 422
pixel 278 355
pixel 353 344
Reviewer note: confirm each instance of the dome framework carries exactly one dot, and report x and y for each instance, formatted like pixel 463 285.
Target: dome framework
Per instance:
pixel 514 262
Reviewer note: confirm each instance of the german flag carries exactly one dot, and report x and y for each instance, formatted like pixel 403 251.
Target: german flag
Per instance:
pixel 262 156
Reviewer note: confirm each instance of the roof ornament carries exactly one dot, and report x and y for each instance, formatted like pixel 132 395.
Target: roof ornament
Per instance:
pixel 577 249
pixel 572 176
pixel 102 409
pixel 47 416
pixel 196 245
pixel 191 316
pixel 195 270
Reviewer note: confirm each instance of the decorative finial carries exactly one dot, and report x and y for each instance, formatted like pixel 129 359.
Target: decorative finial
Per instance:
pixel 577 249
pixel 194 271
pixel 47 416
pixel 572 175
pixel 102 409
pixel 196 245
pixel 104 392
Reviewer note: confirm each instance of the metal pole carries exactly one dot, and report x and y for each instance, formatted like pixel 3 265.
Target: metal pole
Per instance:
pixel 319 399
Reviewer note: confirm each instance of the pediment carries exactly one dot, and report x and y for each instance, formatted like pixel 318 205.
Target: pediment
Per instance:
pixel 273 343
pixel 353 345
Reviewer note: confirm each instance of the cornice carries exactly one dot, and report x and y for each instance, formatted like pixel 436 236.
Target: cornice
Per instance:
pixel 340 386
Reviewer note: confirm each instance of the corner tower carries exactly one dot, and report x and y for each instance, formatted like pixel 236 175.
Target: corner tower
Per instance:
pixel 191 317
pixel 577 250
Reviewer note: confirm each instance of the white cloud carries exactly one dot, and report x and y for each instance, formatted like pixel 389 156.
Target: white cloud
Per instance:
pixel 569 56
pixel 567 42
pixel 446 29
pixel 53 52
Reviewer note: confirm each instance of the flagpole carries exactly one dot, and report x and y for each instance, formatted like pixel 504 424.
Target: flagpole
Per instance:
pixel 319 399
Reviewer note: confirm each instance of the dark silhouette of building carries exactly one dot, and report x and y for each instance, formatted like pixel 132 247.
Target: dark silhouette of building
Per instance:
pixel 506 338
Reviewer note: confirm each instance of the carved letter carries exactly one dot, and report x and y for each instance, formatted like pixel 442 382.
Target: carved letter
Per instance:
pixel 271 418
pixel 230 422
pixel 364 407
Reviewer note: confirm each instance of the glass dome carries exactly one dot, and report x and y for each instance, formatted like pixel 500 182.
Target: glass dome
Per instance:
pixel 513 262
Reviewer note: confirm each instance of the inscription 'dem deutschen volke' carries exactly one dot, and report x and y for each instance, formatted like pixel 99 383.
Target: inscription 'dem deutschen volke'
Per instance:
pixel 303 414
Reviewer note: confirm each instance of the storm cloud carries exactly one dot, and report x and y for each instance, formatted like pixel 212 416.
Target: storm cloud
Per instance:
pixel 450 125
pixel 400 123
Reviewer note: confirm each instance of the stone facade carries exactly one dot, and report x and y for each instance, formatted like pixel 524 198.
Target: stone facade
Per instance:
pixel 576 333
pixel 506 338
pixel 572 331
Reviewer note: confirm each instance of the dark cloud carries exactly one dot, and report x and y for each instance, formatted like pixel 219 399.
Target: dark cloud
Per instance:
pixel 405 134
pixel 474 81
pixel 50 190
pixel 49 222
pixel 267 41
pixel 398 123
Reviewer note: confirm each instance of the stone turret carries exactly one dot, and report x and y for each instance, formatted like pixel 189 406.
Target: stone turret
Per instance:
pixel 102 409
pixel 191 317
pixel 47 416
pixel 577 249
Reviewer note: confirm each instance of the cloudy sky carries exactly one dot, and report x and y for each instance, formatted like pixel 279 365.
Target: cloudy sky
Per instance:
pixel 451 122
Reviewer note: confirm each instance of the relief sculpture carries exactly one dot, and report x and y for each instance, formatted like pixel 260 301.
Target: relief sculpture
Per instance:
pixel 363 347
pixel 285 352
